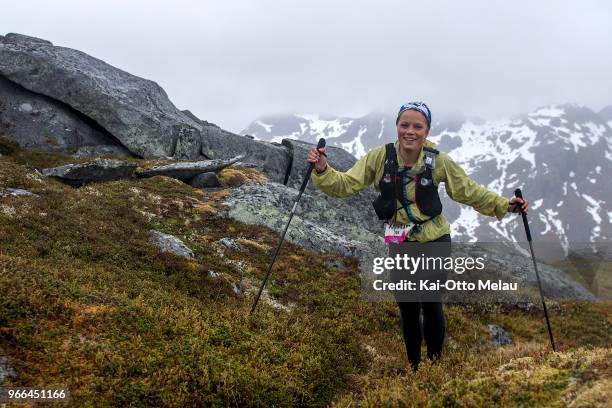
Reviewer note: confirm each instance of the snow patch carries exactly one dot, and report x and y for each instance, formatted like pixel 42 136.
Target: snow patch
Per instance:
pixel 328 129
pixel 355 147
pixel 267 128
pixel 540 121
pixel 593 208
pixel 501 227
pixel 536 204
pixel 596 131
pixel 549 111
pixel 557 227
pixel 279 139
pixel 382 128
pixel 575 139
pixel 466 224
pixel 546 224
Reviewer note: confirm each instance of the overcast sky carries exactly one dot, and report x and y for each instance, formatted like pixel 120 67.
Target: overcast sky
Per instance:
pixel 230 62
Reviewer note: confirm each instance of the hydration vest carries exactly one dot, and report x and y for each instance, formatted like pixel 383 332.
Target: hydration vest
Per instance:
pixel 393 187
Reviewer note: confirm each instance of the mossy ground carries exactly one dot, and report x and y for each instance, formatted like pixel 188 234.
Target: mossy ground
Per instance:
pixel 87 302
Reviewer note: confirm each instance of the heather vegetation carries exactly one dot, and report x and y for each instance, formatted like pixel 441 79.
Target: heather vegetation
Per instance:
pixel 88 302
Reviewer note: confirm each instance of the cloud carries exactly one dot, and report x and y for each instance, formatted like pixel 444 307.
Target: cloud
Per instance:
pixel 230 62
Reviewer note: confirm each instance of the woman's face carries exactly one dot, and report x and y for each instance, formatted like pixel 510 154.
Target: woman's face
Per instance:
pixel 412 130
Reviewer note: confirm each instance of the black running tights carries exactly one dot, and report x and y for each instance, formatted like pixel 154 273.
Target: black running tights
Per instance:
pixel 432 328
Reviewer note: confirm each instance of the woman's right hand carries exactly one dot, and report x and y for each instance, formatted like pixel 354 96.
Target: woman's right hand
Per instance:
pixel 319 158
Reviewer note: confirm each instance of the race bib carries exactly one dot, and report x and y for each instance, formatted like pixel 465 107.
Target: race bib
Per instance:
pixel 397 233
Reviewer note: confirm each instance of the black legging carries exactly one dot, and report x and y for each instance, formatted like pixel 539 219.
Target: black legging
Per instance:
pixel 433 327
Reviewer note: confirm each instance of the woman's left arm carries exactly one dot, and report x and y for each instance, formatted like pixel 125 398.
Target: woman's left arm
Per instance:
pixel 464 190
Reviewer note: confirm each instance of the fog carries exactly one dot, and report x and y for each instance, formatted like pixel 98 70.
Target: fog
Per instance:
pixel 230 62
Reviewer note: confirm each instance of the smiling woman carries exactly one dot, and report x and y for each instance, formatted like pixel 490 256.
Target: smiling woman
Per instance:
pixel 407 174
pixel 412 129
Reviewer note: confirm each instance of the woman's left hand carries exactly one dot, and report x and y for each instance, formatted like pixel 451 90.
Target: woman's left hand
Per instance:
pixel 516 203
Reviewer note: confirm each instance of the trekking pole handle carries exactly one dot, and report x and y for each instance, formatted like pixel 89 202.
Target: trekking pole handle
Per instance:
pixel 320 145
pixel 519 194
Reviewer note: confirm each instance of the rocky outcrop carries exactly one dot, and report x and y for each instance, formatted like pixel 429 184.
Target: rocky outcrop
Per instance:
pixel 340 159
pixel 321 223
pixel 270 159
pixel 40 123
pixel 95 171
pixel 333 225
pixel 101 150
pixel 186 171
pixel 81 103
pixel 170 243
pixel 134 110
pixel 336 225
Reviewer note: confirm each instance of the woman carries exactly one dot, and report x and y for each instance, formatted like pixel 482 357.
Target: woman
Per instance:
pixel 415 210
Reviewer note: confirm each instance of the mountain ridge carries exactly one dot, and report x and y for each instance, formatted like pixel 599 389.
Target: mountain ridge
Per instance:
pixel 558 154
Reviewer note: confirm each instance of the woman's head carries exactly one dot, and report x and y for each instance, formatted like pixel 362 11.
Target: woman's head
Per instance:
pixel 413 123
pixel 416 106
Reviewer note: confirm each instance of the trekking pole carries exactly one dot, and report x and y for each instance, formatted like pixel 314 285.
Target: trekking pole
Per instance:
pixel 518 194
pixel 320 145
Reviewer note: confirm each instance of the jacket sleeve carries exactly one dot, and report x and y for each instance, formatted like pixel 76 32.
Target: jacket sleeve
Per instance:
pixel 335 183
pixel 464 190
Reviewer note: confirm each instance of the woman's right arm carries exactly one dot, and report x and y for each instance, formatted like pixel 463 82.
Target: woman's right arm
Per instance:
pixel 343 184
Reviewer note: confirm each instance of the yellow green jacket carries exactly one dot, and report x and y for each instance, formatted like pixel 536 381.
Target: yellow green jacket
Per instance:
pixel 369 169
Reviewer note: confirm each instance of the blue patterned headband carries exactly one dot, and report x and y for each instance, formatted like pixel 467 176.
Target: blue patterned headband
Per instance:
pixel 417 106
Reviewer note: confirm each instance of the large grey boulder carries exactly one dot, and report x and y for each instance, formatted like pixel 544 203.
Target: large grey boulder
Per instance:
pixel 185 171
pixel 95 171
pixel 84 152
pixel 321 223
pixel 134 110
pixel 270 159
pixel 43 124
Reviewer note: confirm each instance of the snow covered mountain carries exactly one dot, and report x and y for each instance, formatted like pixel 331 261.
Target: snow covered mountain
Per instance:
pixel 561 157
